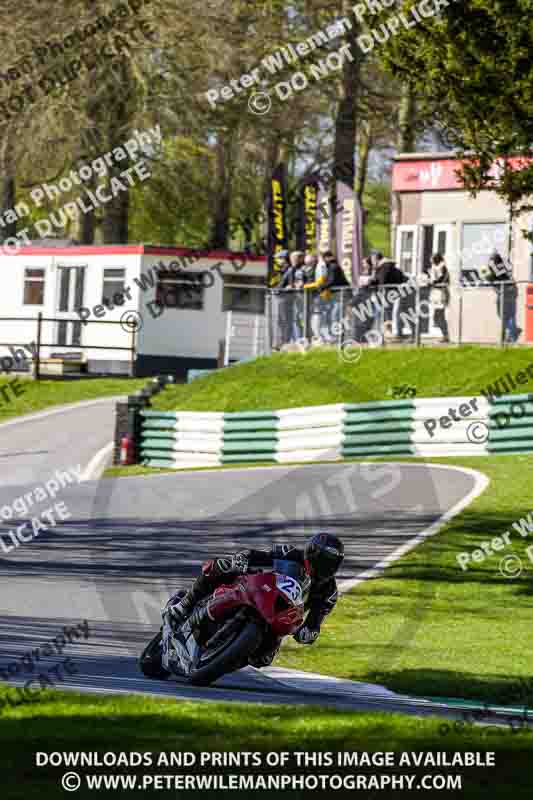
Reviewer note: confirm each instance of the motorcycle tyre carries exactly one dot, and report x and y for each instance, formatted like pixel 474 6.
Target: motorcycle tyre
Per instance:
pixel 230 659
pixel 150 660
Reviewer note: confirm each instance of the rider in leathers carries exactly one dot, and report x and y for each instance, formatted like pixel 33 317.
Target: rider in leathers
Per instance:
pixel 320 560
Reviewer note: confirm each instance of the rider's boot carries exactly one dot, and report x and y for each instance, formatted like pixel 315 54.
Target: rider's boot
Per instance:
pixel 183 609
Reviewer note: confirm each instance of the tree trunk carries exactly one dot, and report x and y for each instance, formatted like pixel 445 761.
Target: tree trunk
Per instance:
pixel 220 227
pixel 115 224
pixel 7 188
pixel 87 228
pixel 9 229
pixel 406 121
pixel 406 143
pixel 87 222
pixel 346 117
pixel 365 143
pixel 272 159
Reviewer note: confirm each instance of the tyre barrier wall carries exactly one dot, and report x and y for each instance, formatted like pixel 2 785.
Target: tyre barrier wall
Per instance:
pixel 511 424
pixel 453 426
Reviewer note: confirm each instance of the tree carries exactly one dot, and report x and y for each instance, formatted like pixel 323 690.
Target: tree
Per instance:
pixel 472 68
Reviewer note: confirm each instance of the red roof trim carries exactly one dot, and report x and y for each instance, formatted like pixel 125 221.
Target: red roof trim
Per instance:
pixel 134 249
pixel 225 255
pixel 81 250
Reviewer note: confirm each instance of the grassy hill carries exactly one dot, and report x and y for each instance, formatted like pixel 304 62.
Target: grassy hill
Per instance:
pixel 320 377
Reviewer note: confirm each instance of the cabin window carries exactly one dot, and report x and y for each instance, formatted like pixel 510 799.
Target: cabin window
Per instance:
pixel 244 293
pixel 33 287
pixel 114 280
pixel 479 241
pixel 184 291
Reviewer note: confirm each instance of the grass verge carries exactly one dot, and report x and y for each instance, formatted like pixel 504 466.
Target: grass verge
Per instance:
pixel 65 722
pixel 39 395
pixel 470 629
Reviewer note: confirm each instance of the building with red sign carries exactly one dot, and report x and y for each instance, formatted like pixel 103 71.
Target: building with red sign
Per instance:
pixel 433 213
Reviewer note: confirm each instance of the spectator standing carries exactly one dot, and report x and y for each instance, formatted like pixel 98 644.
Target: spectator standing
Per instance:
pixel 296 260
pixel 440 293
pixel 336 282
pixel 320 297
pixel 290 300
pixel 310 264
pixel 506 296
pixel 387 276
pixel 298 325
pixel 360 302
pixel 283 303
pixel 375 257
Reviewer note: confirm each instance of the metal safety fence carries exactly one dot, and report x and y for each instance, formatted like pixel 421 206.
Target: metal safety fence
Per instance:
pixel 493 314
pixel 36 344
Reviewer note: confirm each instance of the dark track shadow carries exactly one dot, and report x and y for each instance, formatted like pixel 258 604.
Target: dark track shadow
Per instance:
pixel 510 690
pixel 137 549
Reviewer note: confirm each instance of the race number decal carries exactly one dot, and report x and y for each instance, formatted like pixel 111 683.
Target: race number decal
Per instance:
pixel 290 588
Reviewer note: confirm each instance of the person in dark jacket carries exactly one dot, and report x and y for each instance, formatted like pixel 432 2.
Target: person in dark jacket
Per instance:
pixel 440 293
pixel 320 561
pixel 282 303
pixel 296 261
pixel 501 278
pixel 361 316
pixel 387 276
pixel 335 281
pixel 292 302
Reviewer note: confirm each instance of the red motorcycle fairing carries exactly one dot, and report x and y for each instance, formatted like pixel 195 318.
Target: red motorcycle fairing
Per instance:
pixel 260 592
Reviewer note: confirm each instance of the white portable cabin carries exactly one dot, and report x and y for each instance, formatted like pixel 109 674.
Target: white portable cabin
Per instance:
pixel 175 316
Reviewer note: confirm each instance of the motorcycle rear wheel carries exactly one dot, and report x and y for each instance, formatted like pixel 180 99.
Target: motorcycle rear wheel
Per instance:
pixel 150 660
pixel 231 658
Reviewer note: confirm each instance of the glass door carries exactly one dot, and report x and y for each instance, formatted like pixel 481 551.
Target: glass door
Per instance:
pixel 406 248
pixel 441 243
pixel 71 289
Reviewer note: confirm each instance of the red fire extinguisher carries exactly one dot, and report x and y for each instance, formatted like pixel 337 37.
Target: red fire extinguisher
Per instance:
pixel 126 451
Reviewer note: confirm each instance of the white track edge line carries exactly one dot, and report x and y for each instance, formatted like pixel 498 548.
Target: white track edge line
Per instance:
pixel 481 483
pixel 96 465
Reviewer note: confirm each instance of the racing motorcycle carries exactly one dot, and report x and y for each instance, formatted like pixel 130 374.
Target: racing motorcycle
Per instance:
pixel 239 617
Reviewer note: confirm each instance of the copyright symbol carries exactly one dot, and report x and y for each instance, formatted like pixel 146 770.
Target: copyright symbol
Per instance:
pixel 510 567
pixel 71 781
pixel 260 103
pixel 477 432
pixel 351 351
pixel 131 321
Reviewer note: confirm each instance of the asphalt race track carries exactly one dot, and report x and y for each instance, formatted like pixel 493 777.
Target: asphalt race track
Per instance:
pixel 130 542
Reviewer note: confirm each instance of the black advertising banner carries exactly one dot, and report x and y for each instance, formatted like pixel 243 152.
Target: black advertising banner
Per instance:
pixel 323 230
pixel 348 230
pixel 307 222
pixel 277 222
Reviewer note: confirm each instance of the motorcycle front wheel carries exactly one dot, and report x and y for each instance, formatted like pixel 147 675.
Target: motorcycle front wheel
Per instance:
pixel 150 660
pixel 232 657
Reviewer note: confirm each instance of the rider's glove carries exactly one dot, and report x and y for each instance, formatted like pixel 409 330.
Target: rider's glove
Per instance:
pixel 306 635
pixel 239 562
